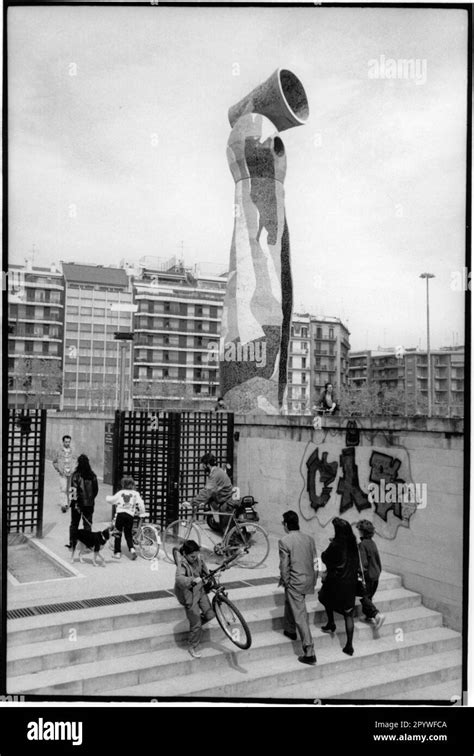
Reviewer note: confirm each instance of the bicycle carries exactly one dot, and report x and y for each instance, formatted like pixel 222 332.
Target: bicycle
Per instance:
pixel 146 538
pixel 228 616
pixel 243 540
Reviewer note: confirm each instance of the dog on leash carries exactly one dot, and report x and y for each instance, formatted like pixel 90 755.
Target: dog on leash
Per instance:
pixel 87 540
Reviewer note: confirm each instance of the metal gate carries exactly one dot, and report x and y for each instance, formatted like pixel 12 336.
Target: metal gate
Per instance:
pixel 161 451
pixel 25 470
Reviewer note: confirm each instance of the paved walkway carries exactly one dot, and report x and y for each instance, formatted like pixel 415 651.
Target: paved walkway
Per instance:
pixel 115 577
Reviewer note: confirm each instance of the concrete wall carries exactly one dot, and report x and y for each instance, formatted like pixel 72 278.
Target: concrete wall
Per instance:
pixel 423 542
pixel 86 430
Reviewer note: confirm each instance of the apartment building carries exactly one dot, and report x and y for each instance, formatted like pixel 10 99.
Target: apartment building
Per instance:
pixel 177 331
pixel 299 366
pixel 408 371
pixel 35 336
pixel 318 354
pixel 91 352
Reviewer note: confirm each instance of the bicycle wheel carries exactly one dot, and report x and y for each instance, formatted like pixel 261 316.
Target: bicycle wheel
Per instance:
pixel 251 541
pixel 148 543
pixel 231 621
pixel 176 534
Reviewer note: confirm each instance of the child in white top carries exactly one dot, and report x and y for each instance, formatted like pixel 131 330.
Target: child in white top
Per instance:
pixel 128 501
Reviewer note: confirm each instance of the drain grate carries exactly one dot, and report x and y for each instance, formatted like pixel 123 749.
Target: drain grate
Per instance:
pixel 104 601
pixel 148 595
pixel 19 613
pixel 121 599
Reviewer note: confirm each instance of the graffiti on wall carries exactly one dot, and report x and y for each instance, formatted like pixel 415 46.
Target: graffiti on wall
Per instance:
pixel 360 482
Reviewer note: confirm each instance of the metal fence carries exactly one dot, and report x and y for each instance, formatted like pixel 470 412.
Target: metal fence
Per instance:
pixel 161 451
pixel 25 470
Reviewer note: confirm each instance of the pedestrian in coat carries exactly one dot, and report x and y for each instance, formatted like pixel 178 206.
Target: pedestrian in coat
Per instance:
pixel 84 488
pixel 339 589
pixel 298 576
pixel 372 567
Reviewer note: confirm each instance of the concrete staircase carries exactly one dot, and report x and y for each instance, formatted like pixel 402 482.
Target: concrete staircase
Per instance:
pixel 139 649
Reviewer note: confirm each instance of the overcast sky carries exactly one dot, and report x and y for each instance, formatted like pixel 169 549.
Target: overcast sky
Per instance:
pixel 117 148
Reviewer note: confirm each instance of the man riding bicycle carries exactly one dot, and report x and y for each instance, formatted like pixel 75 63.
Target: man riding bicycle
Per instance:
pixel 217 493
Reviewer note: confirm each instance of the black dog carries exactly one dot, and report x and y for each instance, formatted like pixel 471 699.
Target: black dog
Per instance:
pixel 88 541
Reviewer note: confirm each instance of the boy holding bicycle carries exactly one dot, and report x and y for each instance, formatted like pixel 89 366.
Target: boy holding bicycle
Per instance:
pixel 190 592
pixel 128 502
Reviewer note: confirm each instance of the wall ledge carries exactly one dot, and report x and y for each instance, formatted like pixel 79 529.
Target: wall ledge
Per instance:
pixel 453 426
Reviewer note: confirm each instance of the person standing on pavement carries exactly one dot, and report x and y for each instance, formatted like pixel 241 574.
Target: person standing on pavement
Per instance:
pixel 129 503
pixel 64 462
pixel 298 576
pixel 189 590
pixel 84 488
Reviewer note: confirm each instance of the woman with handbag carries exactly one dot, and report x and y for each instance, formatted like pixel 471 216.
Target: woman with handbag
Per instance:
pixel 84 489
pixel 340 586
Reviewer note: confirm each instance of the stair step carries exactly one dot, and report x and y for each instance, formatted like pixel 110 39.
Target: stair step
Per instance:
pixel 243 679
pixel 41 628
pixel 35 657
pixel 451 690
pixel 222 670
pixel 383 683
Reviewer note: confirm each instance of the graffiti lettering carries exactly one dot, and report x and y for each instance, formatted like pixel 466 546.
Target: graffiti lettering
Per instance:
pixel 348 486
pixel 385 468
pixel 327 474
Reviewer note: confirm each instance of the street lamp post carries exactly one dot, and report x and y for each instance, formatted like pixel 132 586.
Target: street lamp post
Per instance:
pixel 428 276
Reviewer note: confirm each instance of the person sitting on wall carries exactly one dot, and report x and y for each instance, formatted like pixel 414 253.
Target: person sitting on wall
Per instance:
pixel 327 400
pixel 217 493
pixel 220 406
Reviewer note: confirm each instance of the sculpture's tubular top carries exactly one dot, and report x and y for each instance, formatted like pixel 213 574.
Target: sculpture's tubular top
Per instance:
pixel 281 98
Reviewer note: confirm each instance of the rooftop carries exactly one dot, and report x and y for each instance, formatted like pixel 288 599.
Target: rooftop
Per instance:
pixel 95 274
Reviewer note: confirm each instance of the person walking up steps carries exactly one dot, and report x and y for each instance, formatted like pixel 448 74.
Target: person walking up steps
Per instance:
pixel 372 567
pixel 298 577
pixel 339 588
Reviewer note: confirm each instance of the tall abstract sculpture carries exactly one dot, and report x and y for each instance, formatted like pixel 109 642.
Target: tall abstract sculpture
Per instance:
pixel 258 303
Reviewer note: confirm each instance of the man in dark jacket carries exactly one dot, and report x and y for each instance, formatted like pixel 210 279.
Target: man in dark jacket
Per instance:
pixel 189 590
pixel 298 576
pixel 217 492
pixel 372 567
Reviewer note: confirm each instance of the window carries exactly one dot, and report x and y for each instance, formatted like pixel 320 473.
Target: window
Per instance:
pixel 303 362
pixel 72 310
pixel 319 332
pixel 331 333
pixel 304 333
